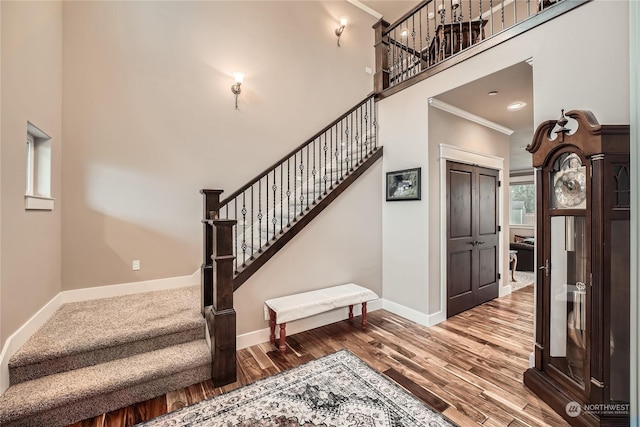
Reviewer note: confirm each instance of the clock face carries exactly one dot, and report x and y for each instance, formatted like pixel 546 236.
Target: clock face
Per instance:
pixel 570 184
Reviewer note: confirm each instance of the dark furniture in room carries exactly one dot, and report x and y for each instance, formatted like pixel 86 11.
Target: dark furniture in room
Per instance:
pixel 452 38
pixel 582 344
pixel 525 254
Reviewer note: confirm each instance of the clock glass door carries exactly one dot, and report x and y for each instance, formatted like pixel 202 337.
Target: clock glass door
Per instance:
pixel 568 293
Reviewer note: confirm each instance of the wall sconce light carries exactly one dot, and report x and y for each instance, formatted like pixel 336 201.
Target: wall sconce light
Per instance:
pixel 235 88
pixel 340 29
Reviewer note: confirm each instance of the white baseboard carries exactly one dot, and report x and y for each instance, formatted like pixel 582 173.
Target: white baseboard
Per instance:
pixel 18 338
pixel 414 315
pixel 262 335
pixel 505 290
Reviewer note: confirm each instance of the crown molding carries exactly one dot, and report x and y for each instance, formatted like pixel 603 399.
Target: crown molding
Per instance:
pixel 436 103
pixel 365 8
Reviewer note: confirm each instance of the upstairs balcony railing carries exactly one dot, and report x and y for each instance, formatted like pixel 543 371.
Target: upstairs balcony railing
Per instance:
pixel 437 30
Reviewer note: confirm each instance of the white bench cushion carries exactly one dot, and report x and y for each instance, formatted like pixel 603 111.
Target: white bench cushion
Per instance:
pixel 298 306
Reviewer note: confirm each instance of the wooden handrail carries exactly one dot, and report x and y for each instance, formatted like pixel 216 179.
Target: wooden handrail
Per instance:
pixel 292 152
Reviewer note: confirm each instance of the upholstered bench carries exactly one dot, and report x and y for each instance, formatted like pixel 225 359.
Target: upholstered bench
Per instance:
pixel 298 306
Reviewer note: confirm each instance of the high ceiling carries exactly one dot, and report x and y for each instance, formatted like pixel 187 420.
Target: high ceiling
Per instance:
pixel 511 84
pixel 391 10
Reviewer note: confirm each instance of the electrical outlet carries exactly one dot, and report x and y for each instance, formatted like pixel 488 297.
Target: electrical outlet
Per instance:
pixel 368 70
pixel 135 265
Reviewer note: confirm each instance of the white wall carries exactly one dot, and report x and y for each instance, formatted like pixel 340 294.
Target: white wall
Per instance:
pixel 591 72
pixel 341 245
pixel 31 91
pixel 149 118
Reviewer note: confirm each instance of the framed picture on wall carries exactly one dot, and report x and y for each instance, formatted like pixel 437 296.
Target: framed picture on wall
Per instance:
pixel 403 185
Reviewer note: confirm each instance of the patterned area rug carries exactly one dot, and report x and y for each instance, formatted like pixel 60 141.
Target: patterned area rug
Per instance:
pixel 523 279
pixel 335 390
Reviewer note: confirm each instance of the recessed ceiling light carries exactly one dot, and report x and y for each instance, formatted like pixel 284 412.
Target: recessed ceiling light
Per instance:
pixel 515 106
pixel 404 33
pixel 493 93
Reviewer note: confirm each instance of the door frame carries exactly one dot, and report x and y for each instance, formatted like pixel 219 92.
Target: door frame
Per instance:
pixel 470 157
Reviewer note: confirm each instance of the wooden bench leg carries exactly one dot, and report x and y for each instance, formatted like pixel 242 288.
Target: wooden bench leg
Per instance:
pixel 351 313
pixel 283 335
pixel 364 315
pixel 272 326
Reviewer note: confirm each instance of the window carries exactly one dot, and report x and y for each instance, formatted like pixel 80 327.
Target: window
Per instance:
pixel 38 191
pixel 523 203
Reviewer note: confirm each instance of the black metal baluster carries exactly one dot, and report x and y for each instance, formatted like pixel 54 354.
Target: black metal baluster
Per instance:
pixel 301 183
pixel 366 129
pixel 275 188
pixel 420 35
pixel 491 15
pixel 350 142
pixel 471 41
pixel 359 135
pixel 515 12
pixel 266 190
pixel 336 154
pixel 341 143
pixel 259 216
pixel 295 185
pixel 390 63
pixel 451 34
pixel 314 172
pixel 331 158
pixel 308 176
pixel 502 14
pixel 281 198
pixel 480 19
pixel 252 225
pixel 528 8
pixel 413 36
pixel 375 124
pixel 324 175
pixel 244 230
pixel 288 194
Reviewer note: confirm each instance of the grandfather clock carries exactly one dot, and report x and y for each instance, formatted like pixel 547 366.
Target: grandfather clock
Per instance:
pixel 582 250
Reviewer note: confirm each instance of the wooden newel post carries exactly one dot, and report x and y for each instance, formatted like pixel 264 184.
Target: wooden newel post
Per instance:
pixel 222 316
pixel 211 204
pixel 381 76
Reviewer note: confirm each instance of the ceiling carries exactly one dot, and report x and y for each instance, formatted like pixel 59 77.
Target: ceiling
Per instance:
pixel 391 10
pixel 514 83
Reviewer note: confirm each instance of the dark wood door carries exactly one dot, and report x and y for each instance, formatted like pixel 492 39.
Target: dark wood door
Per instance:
pixel 472 236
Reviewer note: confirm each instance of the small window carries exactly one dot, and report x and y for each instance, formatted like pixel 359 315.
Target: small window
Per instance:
pixel 38 189
pixel 523 204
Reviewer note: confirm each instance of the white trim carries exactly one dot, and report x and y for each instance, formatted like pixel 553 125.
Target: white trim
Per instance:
pixel 505 290
pixel 38 203
pixel 522 179
pixel 461 155
pixel 18 338
pixel 365 8
pixel 414 315
pixel 262 335
pixel 436 103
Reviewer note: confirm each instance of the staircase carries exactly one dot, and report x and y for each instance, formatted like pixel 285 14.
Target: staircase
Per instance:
pixel 242 232
pixel 95 356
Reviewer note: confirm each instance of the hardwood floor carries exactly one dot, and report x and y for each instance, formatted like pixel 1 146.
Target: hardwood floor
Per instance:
pixel 469 367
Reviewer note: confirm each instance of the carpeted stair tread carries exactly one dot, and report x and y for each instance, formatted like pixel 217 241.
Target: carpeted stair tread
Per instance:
pixel 168 317
pixel 81 385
